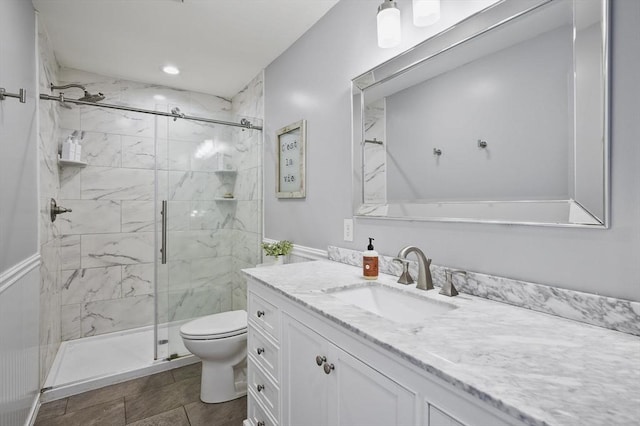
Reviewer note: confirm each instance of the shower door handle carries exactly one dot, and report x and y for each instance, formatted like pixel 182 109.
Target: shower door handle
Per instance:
pixel 163 248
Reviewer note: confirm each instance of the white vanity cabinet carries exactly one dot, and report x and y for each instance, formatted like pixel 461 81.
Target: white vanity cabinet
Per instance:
pixel 438 418
pixel 263 362
pixel 304 369
pixel 324 385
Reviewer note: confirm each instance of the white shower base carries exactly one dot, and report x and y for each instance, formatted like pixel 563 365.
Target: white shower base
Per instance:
pixel 93 362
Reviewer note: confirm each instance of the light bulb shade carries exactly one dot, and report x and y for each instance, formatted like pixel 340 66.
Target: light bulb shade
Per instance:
pixel 425 12
pixel 389 27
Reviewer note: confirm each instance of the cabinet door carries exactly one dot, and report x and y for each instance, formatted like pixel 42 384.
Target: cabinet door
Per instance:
pixel 348 392
pixel 364 396
pixel 304 383
pixel 439 418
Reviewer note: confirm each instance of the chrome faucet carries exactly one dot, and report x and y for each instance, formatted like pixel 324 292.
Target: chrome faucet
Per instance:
pixel 425 282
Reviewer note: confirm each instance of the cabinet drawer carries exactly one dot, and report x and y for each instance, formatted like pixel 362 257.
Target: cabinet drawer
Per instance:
pixel 264 315
pixel 256 413
pixel 264 352
pixel 264 389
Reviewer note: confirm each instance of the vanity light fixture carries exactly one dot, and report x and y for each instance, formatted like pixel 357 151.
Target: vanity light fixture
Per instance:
pixel 425 12
pixel 170 69
pixel 389 27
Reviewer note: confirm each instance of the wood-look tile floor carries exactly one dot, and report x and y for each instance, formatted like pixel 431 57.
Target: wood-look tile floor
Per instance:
pixel 170 398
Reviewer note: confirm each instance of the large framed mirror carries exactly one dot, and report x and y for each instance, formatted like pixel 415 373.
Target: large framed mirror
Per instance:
pixel 502 118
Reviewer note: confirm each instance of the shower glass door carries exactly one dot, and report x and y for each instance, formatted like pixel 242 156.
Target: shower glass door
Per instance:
pixel 211 188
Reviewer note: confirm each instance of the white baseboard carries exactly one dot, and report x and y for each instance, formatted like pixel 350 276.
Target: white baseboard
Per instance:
pixel 35 407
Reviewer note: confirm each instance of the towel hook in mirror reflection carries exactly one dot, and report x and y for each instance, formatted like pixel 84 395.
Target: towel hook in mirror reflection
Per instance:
pixel 22 95
pixel 437 151
pixel 482 144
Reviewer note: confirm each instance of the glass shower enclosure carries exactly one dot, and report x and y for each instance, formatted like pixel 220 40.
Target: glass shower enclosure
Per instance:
pixel 127 286
pixel 209 224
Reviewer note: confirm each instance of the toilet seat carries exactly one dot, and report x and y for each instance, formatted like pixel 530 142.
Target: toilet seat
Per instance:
pixel 216 326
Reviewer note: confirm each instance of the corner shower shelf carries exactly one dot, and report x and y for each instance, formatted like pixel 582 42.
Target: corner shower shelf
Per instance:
pixel 225 199
pixel 71 163
pixel 226 171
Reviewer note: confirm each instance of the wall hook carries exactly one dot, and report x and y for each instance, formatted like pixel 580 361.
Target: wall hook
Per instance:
pixel 437 151
pixel 482 144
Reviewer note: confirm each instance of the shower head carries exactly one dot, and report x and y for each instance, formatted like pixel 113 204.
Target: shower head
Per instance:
pixel 88 97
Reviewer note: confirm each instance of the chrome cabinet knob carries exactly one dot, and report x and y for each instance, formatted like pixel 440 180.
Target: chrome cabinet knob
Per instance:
pixel 260 351
pixel 320 360
pixel 259 388
pixel 328 367
pixel 260 314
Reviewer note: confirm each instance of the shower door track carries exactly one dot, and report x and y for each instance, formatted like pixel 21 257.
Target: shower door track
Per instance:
pixel 244 123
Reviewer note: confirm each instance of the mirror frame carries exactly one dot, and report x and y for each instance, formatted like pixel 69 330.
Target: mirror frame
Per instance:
pixel 473 26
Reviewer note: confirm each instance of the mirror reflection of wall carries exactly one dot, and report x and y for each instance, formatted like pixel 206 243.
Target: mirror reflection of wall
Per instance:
pixel 518 100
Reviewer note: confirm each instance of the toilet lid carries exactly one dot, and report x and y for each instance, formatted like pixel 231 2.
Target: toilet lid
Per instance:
pixel 216 326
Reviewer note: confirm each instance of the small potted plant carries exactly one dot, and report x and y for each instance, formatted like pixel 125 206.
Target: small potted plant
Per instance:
pixel 278 250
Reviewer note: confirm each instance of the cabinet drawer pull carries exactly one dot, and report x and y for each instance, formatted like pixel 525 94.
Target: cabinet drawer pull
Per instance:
pixel 260 423
pixel 260 314
pixel 328 367
pixel 260 351
pixel 320 360
pixel 260 387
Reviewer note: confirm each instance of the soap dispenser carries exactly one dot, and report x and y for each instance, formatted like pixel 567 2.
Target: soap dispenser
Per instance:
pixel 370 262
pixel 78 149
pixel 68 150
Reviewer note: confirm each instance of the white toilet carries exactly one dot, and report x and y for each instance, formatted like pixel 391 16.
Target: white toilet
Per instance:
pixel 220 341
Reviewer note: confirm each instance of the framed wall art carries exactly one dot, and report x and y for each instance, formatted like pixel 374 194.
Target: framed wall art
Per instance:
pixel 290 170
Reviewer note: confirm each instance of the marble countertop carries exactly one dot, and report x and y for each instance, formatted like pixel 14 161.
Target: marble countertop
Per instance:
pixel 539 368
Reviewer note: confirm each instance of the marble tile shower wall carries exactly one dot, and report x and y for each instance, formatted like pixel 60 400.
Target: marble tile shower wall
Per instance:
pixel 248 220
pixel 107 243
pixel 49 186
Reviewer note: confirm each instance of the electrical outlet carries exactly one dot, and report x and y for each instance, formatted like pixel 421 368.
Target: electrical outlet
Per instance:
pixel 348 229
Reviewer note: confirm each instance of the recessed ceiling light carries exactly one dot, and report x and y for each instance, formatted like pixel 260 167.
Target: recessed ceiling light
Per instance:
pixel 159 97
pixel 170 69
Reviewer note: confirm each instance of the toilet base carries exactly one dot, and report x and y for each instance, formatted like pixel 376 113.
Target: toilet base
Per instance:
pixel 218 384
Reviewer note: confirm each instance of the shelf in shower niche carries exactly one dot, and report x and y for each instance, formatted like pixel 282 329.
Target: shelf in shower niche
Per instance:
pixel 226 171
pixel 225 199
pixel 71 163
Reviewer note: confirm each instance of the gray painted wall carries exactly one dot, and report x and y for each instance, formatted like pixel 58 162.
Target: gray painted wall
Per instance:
pixel 18 133
pixel 311 80
pixel 19 286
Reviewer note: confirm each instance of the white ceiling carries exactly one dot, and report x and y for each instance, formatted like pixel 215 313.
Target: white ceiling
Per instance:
pixel 219 45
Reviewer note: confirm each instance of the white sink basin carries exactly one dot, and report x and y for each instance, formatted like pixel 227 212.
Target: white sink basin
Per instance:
pixel 395 305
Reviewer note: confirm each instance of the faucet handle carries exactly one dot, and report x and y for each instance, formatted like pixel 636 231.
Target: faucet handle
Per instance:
pixel 448 289
pixel 405 277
